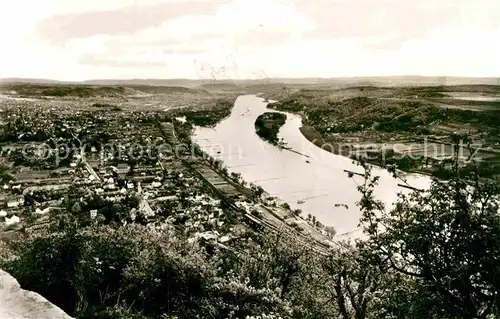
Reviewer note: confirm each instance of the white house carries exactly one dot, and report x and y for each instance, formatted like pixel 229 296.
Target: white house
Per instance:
pixel 12 221
pixel 39 211
pixel 156 184
pixel 15 202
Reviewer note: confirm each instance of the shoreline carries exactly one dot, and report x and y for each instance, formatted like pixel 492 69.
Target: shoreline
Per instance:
pixel 313 136
pixel 309 135
pixel 279 208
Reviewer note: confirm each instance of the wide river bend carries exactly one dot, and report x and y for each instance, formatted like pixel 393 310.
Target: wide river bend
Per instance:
pixel 317 181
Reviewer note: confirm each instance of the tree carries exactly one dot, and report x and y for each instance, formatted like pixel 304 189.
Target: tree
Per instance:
pixel 217 164
pixel 132 163
pixel 258 191
pixel 224 171
pixel 4 174
pixel 330 230
pixel 282 263
pixel 448 237
pixel 352 281
pixel 236 176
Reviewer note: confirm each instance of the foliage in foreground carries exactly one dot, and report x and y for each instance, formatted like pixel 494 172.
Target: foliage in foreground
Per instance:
pixel 435 254
pixel 135 271
pixel 446 238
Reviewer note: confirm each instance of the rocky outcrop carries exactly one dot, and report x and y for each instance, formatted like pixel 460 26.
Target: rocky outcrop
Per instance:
pixel 17 303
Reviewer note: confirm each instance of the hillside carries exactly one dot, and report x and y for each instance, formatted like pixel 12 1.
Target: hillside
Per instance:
pixel 389 125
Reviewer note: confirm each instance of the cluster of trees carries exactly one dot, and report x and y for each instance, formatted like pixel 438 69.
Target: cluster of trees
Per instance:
pixel 24 129
pixel 5 175
pixel 183 130
pixel 445 240
pixel 110 107
pixel 267 126
pixel 389 158
pixel 484 169
pixel 42 195
pixel 78 203
pixel 42 157
pixel 211 116
pixel 136 272
pixel 257 191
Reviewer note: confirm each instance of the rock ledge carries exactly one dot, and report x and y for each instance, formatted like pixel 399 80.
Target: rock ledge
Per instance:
pixel 17 303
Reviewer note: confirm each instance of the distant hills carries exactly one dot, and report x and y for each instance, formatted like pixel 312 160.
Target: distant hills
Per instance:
pixel 373 81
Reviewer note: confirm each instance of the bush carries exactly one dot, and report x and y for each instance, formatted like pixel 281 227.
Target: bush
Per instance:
pixel 135 272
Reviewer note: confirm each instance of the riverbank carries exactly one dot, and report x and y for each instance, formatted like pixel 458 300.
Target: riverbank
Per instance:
pixel 209 117
pixel 398 128
pixel 351 152
pixel 313 184
pixel 251 201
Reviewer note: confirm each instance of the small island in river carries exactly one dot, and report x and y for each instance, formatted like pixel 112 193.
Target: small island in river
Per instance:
pixel 267 126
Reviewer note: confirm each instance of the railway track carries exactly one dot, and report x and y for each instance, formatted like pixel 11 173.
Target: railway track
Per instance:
pixel 311 242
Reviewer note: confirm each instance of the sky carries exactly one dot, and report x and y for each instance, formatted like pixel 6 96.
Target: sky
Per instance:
pixel 246 39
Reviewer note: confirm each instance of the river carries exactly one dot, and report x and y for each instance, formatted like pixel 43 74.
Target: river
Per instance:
pixel 320 184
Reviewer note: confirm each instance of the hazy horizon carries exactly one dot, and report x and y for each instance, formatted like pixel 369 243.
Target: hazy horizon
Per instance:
pixel 263 78
pixel 243 39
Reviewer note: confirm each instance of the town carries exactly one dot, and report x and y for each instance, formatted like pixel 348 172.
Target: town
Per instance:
pixel 107 165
